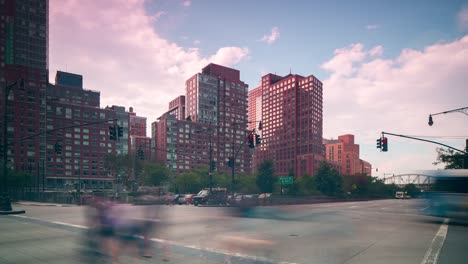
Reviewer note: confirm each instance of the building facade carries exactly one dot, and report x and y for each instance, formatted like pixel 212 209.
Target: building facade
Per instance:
pixel 290 109
pixel 24 55
pixel 81 128
pixel 215 118
pixel 346 152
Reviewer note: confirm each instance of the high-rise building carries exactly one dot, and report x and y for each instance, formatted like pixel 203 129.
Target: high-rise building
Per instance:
pixel 81 128
pixel 215 118
pixel 24 55
pixel 123 120
pixel 177 107
pixel 290 109
pixel 346 153
pixel 138 138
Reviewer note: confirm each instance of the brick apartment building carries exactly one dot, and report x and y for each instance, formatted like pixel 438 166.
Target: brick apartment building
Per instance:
pixel 24 55
pixel 346 153
pixel 85 143
pixel 290 109
pixel 215 115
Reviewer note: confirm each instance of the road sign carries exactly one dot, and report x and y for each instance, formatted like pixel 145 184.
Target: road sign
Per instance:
pixel 286 180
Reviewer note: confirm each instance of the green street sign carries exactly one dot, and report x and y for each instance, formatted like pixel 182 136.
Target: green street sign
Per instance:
pixel 286 180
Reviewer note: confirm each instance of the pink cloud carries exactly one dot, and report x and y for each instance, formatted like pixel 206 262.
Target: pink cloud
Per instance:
pixel 274 35
pixel 186 3
pixel 396 95
pixel 114 46
pixel 372 27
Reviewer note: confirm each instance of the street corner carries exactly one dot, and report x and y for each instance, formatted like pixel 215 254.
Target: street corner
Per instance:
pixel 12 212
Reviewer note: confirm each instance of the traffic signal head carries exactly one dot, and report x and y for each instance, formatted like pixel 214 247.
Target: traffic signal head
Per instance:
pixel 212 165
pixel 120 131
pixel 112 133
pixel 258 140
pixel 431 122
pixel 384 144
pixel 251 141
pixel 230 163
pixel 379 143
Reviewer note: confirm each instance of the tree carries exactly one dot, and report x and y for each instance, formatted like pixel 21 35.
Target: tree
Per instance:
pixel 451 159
pixel 412 190
pixel 154 174
pixel 307 185
pixel 188 183
pixel 265 178
pixel 328 180
pixel 246 184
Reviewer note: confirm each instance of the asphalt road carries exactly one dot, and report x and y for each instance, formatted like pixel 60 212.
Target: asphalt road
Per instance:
pixel 384 231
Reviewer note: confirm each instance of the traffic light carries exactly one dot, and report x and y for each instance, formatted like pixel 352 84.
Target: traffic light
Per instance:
pixel 212 165
pixel 251 141
pixel 258 140
pixel 379 143
pixel 120 131
pixel 230 163
pixel 384 144
pixel 58 148
pixel 112 133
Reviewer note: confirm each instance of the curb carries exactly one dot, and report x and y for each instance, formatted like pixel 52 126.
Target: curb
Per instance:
pixel 12 212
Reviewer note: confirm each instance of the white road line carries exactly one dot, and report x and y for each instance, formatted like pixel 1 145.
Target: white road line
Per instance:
pixel 174 243
pixel 354 206
pixel 72 225
pixel 383 208
pixel 432 254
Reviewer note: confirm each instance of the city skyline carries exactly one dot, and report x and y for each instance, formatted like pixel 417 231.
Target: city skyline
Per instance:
pixel 378 75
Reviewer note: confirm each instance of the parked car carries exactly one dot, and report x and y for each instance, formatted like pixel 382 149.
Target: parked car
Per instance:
pixel 215 196
pixel 176 198
pixel 187 199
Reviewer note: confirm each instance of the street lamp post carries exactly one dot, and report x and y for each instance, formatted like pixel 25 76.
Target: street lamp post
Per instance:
pixel 5 203
pixel 463 110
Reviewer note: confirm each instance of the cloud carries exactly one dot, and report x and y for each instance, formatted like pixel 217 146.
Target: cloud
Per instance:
pixel 196 42
pixel 275 34
pixel 186 3
pixel 396 95
pixel 114 45
pixel 159 15
pixel 372 27
pixel 463 18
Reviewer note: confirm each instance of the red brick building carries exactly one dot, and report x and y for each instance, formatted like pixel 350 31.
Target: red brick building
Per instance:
pixel 215 115
pixel 290 109
pixel 346 152
pixel 24 55
pixel 84 147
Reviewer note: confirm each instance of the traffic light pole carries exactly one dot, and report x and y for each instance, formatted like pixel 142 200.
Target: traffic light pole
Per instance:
pixel 425 140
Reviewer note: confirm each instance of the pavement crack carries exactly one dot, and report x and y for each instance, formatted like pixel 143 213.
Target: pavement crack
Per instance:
pixel 359 252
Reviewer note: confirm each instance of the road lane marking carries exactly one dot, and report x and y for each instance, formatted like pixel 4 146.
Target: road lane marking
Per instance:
pixel 354 206
pixel 432 254
pixel 174 243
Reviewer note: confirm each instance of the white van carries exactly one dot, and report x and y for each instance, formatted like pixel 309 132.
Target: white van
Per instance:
pixel 399 195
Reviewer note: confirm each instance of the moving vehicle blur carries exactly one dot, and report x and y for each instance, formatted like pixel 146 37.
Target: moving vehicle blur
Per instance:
pixel 217 196
pixel 186 199
pixel 449 195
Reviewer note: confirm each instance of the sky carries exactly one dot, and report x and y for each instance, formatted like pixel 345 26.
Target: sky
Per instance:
pixel 385 65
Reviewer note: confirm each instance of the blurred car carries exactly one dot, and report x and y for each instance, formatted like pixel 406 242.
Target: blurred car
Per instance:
pixel 187 199
pixel 176 198
pixel 216 196
pixel 449 197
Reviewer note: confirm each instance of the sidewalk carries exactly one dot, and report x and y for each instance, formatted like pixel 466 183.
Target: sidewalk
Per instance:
pixel 26 240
